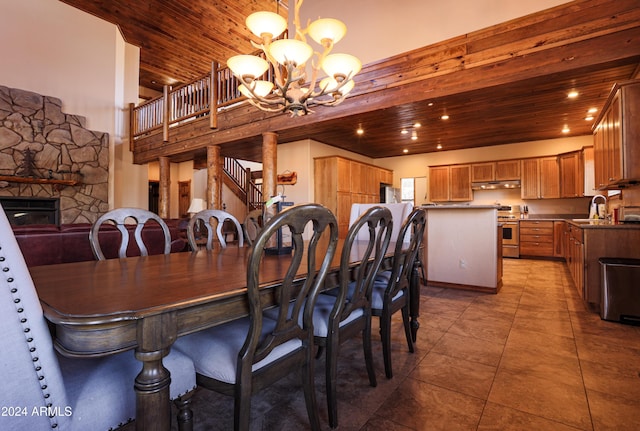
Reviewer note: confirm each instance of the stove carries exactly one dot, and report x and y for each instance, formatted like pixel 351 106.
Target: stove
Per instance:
pixel 509 217
pixel 508 212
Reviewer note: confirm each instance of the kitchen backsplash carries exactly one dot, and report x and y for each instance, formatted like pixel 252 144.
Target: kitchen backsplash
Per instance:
pixel 536 206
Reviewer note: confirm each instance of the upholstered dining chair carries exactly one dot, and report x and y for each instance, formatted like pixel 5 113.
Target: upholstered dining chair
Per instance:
pixel 346 311
pixel 390 291
pixel 243 356
pixel 120 218
pixel 205 218
pixel 49 391
pixel 252 225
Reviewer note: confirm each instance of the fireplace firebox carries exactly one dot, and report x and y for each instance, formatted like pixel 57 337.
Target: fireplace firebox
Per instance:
pixel 29 210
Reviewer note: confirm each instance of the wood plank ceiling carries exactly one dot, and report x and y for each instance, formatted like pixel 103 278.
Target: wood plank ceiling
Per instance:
pixel 179 39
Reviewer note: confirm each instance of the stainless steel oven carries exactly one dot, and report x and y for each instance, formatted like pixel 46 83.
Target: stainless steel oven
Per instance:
pixel 508 216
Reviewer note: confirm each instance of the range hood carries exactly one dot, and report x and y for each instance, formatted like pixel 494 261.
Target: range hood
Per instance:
pixel 495 185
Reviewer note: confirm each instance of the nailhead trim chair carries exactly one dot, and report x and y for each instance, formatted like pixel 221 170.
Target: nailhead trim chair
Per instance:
pixel 42 389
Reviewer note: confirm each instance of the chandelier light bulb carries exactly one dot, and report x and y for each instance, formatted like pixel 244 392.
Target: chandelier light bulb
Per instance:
pixel 259 87
pixel 290 50
pixel 247 66
pixel 266 23
pixel 327 29
pixel 341 66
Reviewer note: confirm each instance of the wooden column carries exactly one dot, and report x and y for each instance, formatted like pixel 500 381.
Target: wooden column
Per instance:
pixel 165 184
pixel 214 177
pixel 269 165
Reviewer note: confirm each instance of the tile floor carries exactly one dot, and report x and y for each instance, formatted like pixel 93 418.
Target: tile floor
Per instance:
pixel 529 358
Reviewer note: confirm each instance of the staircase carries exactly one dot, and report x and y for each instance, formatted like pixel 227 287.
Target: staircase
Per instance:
pixel 240 181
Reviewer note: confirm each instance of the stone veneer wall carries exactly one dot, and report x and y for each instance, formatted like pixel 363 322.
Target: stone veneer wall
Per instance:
pixel 61 145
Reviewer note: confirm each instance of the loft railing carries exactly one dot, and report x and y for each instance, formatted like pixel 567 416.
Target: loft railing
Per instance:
pixel 201 97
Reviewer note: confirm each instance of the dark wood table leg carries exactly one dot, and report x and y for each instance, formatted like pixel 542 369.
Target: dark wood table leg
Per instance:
pixel 414 301
pixel 153 405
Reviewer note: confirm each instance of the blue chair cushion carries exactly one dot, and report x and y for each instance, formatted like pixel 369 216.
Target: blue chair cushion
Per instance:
pixel 101 393
pixel 321 311
pixel 215 350
pixel 379 286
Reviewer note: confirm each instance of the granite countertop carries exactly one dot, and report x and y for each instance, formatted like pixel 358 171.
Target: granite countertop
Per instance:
pixel 582 221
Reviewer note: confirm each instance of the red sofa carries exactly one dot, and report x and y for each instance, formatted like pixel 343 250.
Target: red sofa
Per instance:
pixel 47 244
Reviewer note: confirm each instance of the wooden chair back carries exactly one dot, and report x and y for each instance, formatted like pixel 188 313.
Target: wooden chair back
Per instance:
pixel 205 218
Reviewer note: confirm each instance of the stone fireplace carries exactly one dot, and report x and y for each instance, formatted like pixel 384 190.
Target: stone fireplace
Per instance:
pixel 50 159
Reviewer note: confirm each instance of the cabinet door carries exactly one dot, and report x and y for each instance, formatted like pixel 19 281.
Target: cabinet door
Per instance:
pixel 483 171
pixel 529 188
pixel 614 147
pixel 571 175
pixel 439 184
pixel 343 167
pixel 460 183
pixel 599 155
pixel 357 180
pixel 549 178
pixel 558 238
pixel 507 170
pixel 343 212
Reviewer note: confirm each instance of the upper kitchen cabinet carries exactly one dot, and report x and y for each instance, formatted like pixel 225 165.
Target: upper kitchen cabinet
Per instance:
pixel 540 178
pixel 576 173
pixel 503 170
pixel 507 170
pixel 450 183
pixel 617 138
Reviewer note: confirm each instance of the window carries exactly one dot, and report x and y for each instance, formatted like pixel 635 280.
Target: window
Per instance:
pixel 407 187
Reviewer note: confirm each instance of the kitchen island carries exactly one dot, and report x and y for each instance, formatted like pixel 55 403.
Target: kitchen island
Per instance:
pixel 463 247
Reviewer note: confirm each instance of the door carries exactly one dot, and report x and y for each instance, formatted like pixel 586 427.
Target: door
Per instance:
pixel 184 198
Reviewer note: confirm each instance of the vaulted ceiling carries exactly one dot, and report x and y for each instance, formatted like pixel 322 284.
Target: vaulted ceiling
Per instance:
pixel 180 38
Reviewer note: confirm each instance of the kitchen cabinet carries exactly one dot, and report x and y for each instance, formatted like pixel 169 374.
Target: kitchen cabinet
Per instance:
pixel 571 174
pixel 503 170
pixel 585 248
pixel 616 137
pixel 537 238
pixel 540 178
pixel 483 172
pixel 450 183
pixel 507 170
pixel 558 238
pixel 340 182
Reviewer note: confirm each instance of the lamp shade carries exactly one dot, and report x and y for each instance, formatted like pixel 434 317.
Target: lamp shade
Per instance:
pixel 269 23
pixel 290 50
pixel 260 88
pixel 327 28
pixel 340 66
pixel 247 66
pixel 332 85
pixel 197 205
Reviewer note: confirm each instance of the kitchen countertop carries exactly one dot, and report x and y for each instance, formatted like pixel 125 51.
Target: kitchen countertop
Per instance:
pixel 581 221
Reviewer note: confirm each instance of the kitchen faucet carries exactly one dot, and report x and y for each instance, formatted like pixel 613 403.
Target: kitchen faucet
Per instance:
pixel 594 211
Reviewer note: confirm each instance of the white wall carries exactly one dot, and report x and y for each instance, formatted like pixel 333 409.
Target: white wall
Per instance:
pixel 55 50
pixel 378 29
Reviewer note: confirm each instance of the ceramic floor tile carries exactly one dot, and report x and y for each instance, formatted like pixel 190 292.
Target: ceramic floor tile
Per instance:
pixel 470 349
pixel 456 374
pixel 421 406
pixel 484 328
pixel 547 398
pixel 610 379
pixel 611 413
pixel 500 418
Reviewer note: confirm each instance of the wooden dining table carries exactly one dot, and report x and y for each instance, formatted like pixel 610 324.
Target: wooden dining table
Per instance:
pixel 144 303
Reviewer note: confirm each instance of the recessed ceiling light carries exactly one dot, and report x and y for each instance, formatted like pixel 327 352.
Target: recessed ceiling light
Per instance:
pixel 414 136
pixel 417 125
pixel 360 130
pixel 444 117
pixel 572 94
pixel 592 110
pixel 404 131
pixel 405 151
pixel 566 129
pixel 439 146
pixel 588 118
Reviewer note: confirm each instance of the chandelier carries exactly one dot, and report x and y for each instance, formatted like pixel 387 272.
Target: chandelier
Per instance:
pixel 290 90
